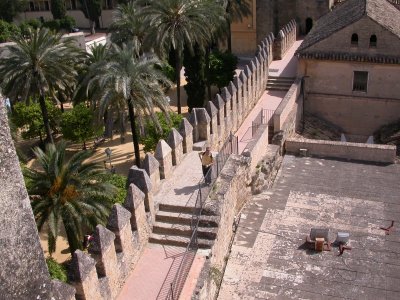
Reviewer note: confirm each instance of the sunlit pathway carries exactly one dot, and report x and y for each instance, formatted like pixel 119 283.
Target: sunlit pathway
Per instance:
pixel 287 67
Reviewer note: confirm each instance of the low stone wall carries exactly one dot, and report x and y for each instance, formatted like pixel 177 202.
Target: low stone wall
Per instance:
pixel 286 106
pixel 114 250
pixel 343 150
pixel 255 149
pixel 226 201
pixel 285 39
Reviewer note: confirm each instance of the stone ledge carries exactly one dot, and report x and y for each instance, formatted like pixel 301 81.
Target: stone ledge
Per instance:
pixel 344 150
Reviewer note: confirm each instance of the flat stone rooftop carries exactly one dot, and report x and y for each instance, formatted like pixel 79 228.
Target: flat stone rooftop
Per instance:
pixel 269 260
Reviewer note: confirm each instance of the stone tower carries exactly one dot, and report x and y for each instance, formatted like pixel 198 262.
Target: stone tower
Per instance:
pixel 23 270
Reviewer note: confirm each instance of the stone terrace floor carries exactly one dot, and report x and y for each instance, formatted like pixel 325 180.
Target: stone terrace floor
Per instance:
pixel 267 259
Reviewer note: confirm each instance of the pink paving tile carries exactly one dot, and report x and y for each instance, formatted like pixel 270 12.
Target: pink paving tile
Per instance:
pixel 146 281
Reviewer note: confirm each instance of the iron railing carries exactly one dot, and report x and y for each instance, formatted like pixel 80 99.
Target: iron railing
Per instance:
pixel 229 147
pixel 265 116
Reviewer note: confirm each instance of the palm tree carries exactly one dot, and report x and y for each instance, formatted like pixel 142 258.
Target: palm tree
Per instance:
pixel 67 193
pixel 176 24
pixel 127 25
pixel 137 81
pixel 37 66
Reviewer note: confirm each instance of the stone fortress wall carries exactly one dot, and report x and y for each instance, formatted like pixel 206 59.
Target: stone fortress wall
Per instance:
pixel 100 273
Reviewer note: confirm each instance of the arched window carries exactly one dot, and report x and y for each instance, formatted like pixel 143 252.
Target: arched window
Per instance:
pixel 354 39
pixel 372 41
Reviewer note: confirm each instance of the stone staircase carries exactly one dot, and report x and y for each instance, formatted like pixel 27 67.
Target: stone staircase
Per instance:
pixel 172 227
pixel 280 83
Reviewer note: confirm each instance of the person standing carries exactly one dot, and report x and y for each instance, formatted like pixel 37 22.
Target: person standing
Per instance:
pixel 207 161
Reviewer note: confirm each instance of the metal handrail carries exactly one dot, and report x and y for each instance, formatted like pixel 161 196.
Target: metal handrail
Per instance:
pixel 175 288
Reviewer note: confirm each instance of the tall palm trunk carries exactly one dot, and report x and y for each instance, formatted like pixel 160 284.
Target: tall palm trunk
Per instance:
pixel 178 79
pixel 73 242
pixel 229 37
pixel 45 115
pixel 135 137
pixel 207 71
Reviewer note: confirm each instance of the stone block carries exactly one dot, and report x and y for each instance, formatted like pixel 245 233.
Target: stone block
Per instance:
pixel 243 79
pixel 152 167
pixel 220 105
pixel 233 91
pixel 203 124
pixel 62 291
pixel 141 179
pixel 175 142
pixel 134 203
pixel 255 80
pixel 102 249
pixel 249 88
pixel 227 97
pixel 239 87
pixel 213 113
pixel 164 156
pixel 195 124
pixel 84 276
pixel 119 223
pixel 186 131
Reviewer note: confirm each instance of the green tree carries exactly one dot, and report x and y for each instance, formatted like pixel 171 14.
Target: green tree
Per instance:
pixel 58 9
pixel 7 30
pixel 176 24
pixel 66 193
pixel 38 66
pixel 125 77
pixel 10 8
pixel 92 11
pixel 29 119
pixel 77 125
pixel 153 133
pixel 127 25
pixel 194 72
pixel 222 68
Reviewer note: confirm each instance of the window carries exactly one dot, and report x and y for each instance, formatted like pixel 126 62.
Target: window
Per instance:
pixel 372 41
pixel 39 6
pixel 360 81
pixel 354 39
pixel 70 4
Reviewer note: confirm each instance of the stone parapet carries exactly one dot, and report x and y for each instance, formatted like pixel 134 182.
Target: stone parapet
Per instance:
pixel 284 40
pixel 141 179
pixel 186 131
pixel 342 150
pixel 102 249
pixel 164 156
pixel 134 203
pixel 84 276
pixel 152 167
pixel 119 223
pixel 286 106
pixel 175 142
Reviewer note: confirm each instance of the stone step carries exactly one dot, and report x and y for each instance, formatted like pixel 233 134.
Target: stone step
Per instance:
pixel 292 79
pixel 177 208
pixel 279 84
pixel 185 218
pixel 280 88
pixel 199 146
pixel 173 240
pixel 184 230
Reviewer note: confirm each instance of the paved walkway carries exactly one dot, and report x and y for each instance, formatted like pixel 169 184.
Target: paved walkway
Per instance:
pixel 157 266
pixel 287 67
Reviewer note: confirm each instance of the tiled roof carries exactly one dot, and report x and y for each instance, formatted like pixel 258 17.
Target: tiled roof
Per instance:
pixel 343 56
pixel 350 12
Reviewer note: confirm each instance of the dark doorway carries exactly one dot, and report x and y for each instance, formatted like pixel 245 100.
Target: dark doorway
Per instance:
pixel 309 25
